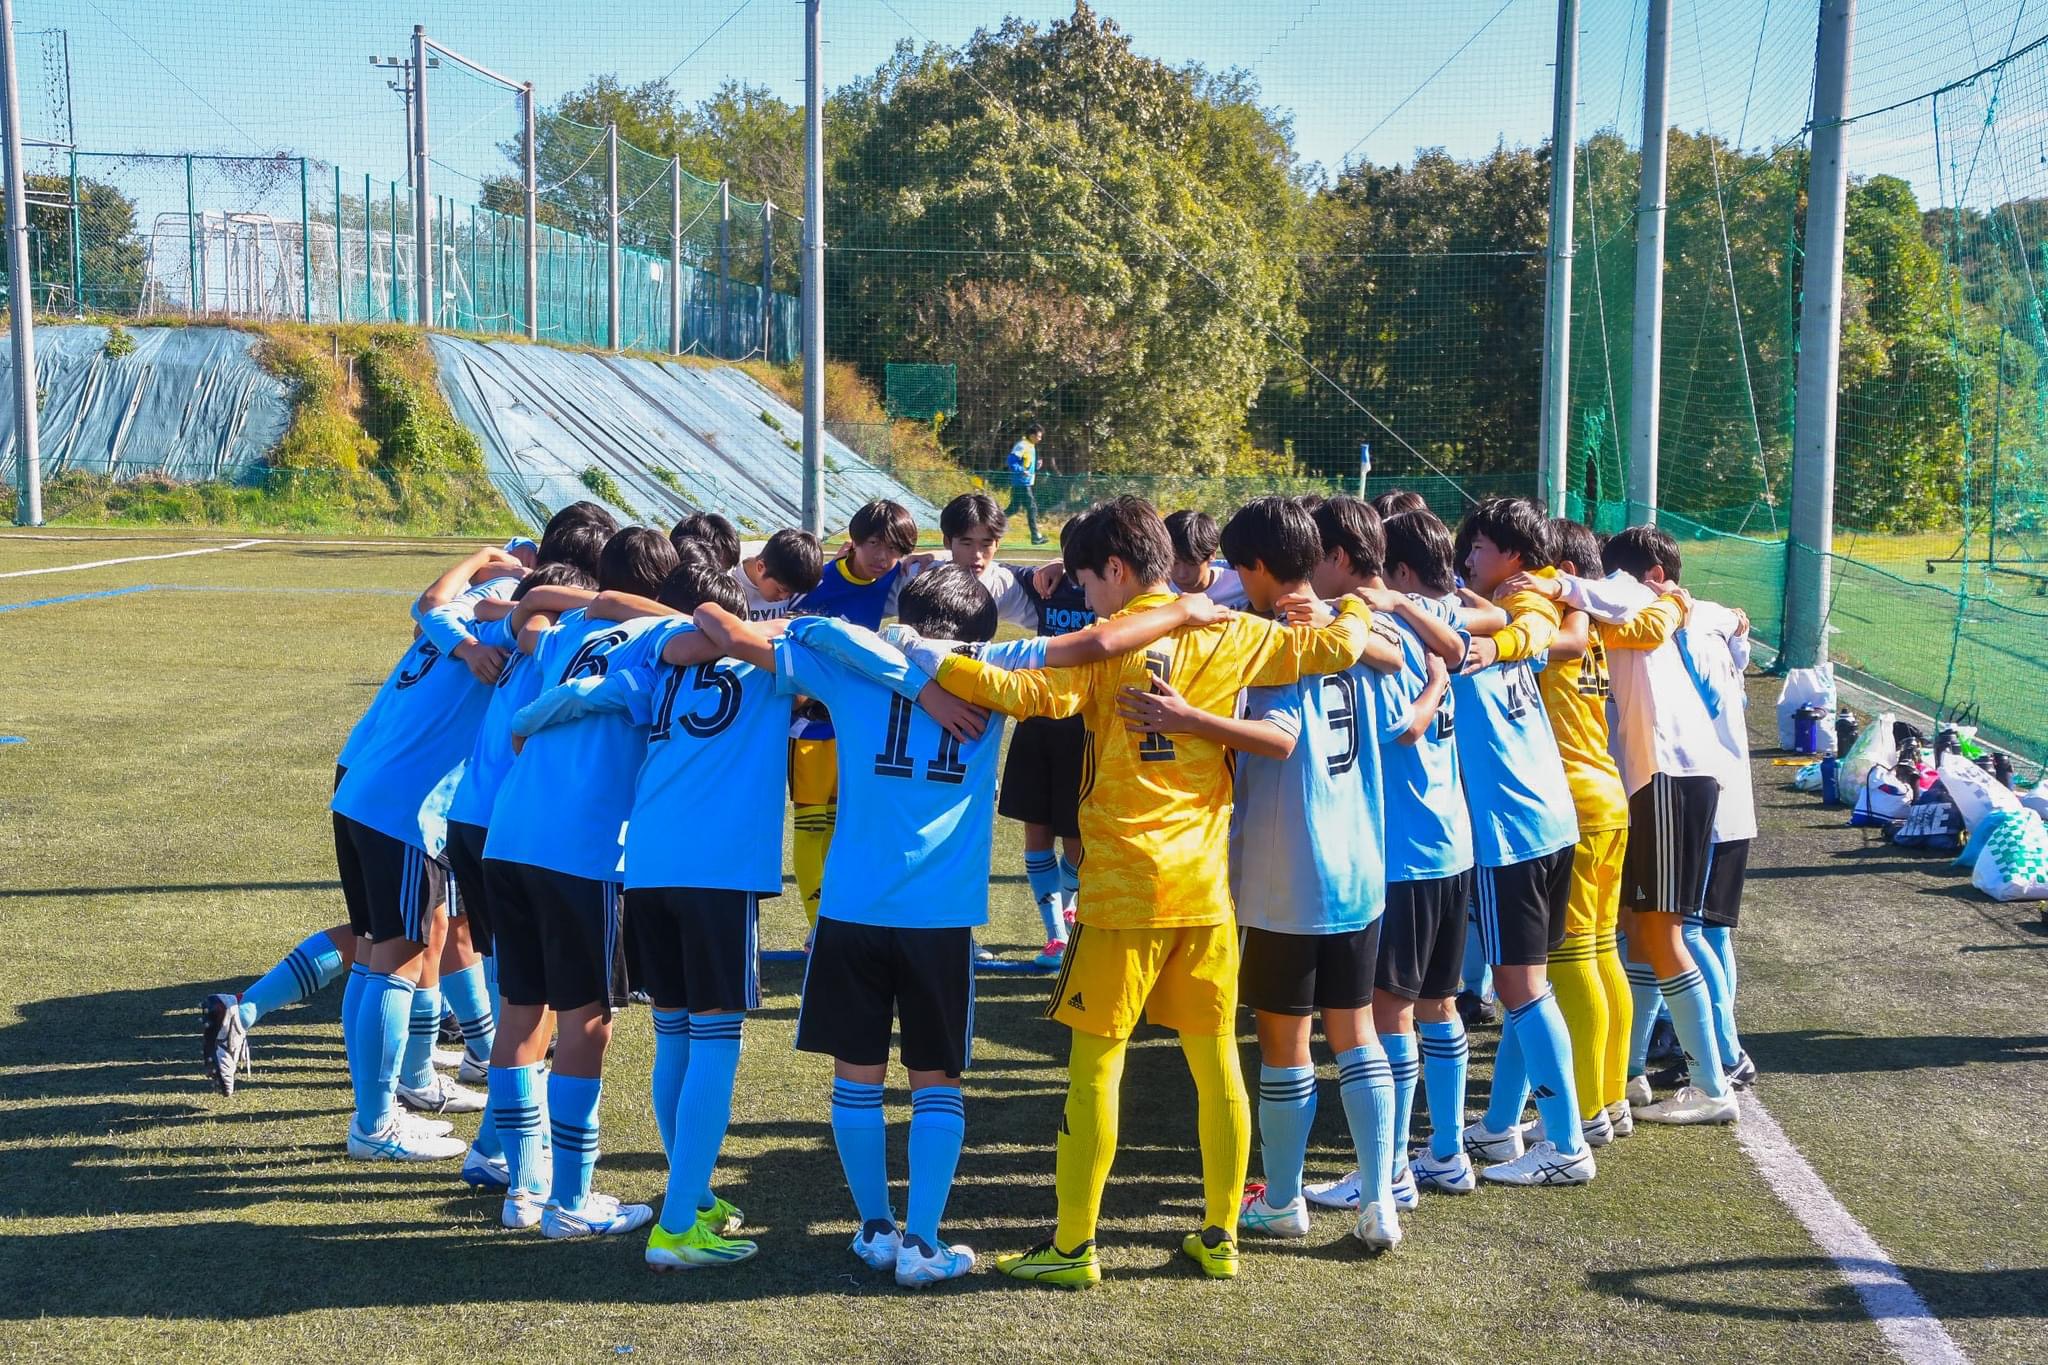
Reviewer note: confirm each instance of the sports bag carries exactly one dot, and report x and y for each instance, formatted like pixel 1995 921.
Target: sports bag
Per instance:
pixel 2014 864
pixel 1932 823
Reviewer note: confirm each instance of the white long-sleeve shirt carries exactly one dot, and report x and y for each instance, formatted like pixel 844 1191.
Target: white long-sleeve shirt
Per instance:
pixel 1720 652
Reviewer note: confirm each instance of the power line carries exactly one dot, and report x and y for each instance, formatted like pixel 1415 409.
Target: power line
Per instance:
pixel 174 75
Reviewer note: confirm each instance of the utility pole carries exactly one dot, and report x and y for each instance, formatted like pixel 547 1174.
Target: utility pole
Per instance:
pixel 422 204
pixel 1645 400
pixel 1555 423
pixel 814 273
pixel 1812 521
pixel 20 290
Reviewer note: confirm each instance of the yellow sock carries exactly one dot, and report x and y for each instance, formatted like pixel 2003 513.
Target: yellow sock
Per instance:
pixel 809 842
pixel 1087 1139
pixel 1224 1121
pixel 1621 1013
pixel 1583 1002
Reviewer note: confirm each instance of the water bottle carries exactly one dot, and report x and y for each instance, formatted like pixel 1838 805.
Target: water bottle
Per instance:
pixel 1830 773
pixel 1847 727
pixel 2001 768
pixel 1806 729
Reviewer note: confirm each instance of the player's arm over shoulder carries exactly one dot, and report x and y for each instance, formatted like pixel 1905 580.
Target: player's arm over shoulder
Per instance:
pixel 1268 655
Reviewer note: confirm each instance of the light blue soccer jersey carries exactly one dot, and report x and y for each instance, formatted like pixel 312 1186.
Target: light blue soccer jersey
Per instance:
pixel 916 806
pixel 1306 835
pixel 565 803
pixel 1515 788
pixel 1428 833
pixel 461 611
pixel 491 756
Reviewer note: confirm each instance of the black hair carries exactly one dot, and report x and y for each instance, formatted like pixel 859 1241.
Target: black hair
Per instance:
pixel 1571 542
pixel 701 576
pixel 1421 542
pixel 636 560
pixel 1515 525
pixel 580 542
pixel 792 558
pixel 712 531
pixel 1126 528
pixel 1351 525
pixel 972 512
pixel 1034 429
pixel 889 520
pixel 1639 549
pixel 948 603
pixel 560 574
pixel 1194 535
pixel 582 513
pixel 1276 534
pixel 1396 501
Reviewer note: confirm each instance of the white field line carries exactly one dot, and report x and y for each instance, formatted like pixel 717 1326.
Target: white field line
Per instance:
pixel 1915 1335
pixel 131 559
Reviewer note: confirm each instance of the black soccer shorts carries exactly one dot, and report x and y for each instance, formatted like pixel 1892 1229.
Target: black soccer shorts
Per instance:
pixel 695 948
pixel 557 937
pixel 471 896
pixel 1670 838
pixel 1422 937
pixel 1299 974
pixel 397 888
pixel 1042 775
pixel 860 976
pixel 1521 908
pixel 1727 868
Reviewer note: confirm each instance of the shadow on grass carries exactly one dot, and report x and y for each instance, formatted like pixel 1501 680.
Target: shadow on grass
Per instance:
pixel 182 888
pixel 1994 1292
pixel 1822 1052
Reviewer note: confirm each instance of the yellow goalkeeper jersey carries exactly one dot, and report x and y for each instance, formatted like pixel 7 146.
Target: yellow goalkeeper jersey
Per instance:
pixel 1155 809
pixel 1575 693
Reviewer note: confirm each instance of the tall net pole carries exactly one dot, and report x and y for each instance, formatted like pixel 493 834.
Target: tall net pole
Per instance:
pixel 1645 406
pixel 675 255
pixel 422 204
pixel 530 265
pixel 1820 334
pixel 1555 419
pixel 29 511
pixel 611 241
pixel 814 274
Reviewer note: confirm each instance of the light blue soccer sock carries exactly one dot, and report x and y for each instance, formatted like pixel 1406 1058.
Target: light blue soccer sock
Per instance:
pixel 386 1014
pixel 1070 886
pixel 703 1111
pixel 671 1061
pixel 1042 871
pixel 1365 1082
pixel 468 993
pixel 938 1125
pixel 1404 1068
pixel 1546 1050
pixel 516 1115
pixel 304 972
pixel 1721 938
pixel 1446 1055
pixel 1287 1110
pixel 351 1024
pixel 1646 1000
pixel 572 1120
pixel 1692 1016
pixel 417 1071
pixel 1510 1083
pixel 1719 996
pixel 861 1135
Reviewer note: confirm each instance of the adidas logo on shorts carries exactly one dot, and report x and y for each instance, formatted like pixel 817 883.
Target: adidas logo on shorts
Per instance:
pixel 1075 1002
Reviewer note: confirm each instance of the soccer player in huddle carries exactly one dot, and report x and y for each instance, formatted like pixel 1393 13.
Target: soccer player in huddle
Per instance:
pixel 714 533
pixel 781 572
pixel 1196 567
pixel 1155 934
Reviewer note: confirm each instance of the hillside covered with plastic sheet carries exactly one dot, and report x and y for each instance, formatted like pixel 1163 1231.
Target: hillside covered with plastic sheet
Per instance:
pixel 189 402
pixel 652 440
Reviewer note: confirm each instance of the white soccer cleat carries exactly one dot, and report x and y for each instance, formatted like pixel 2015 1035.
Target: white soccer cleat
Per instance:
pixel 1597 1131
pixel 919 1263
pixel 1636 1093
pixel 442 1097
pixel 223 1041
pixel 473 1070
pixel 421 1127
pixel 1378 1227
pixel 600 1216
pixel 1621 1121
pixel 1407 1198
pixel 1692 1105
pixel 1333 1194
pixel 445 1058
pixel 1543 1164
pixel 521 1210
pixel 878 1244
pixel 485 1172
pixel 1288 1220
pixel 1452 1176
pixel 397 1143
pixel 1483 1144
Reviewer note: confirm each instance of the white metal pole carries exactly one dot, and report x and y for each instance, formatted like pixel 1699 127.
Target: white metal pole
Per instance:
pixel 725 270
pixel 1645 369
pixel 814 273
pixel 767 275
pixel 20 290
pixel 675 255
pixel 422 202
pixel 1555 421
pixel 1812 523
pixel 611 245
pixel 531 263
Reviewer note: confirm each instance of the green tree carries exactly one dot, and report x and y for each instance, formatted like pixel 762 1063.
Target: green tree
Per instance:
pixel 111 261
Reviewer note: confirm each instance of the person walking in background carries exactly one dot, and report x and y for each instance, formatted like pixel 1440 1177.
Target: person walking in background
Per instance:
pixel 1023 466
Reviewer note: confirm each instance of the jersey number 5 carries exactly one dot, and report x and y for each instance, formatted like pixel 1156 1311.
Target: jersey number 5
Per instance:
pixel 895 759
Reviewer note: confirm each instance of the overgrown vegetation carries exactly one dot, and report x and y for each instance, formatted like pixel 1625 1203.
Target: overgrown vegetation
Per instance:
pixel 605 488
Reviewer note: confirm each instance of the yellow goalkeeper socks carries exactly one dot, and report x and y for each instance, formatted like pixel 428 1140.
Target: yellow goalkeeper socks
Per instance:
pixel 1087 1138
pixel 1224 1122
pixel 1583 1002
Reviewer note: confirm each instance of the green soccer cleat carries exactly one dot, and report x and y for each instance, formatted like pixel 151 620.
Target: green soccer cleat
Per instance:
pixel 722 1218
pixel 693 1248
pixel 1214 1250
pixel 1047 1264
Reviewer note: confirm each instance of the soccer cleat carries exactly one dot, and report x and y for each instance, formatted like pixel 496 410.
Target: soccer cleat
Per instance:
pixel 1621 1119
pixel 1378 1227
pixel 1597 1131
pixel 1047 1264
pixel 982 954
pixel 1055 953
pixel 473 1070
pixel 442 1097
pixel 1742 1075
pixel 1406 1197
pixel 223 1041
pixel 600 1216
pixel 1333 1194
pixel 1664 1044
pixel 1478 1012
pixel 722 1218
pixel 639 998
pixel 920 1263
pixel 695 1247
pixel 419 1127
pixel 1256 1215
pixel 485 1172
pixel 521 1209
pixel 1636 1093
pixel 397 1143
pixel 1483 1144
pixel 877 1243
pixel 445 1058
pixel 1691 1105
pixel 1543 1164
pixel 1452 1176
pixel 1670 1077
pixel 1214 1250
pixel 448 1033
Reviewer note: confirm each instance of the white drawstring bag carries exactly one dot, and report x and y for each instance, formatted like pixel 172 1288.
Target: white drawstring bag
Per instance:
pixel 2014 863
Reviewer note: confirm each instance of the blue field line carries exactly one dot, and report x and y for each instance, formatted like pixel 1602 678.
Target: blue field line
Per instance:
pixel 12 739
pixel 291 592
pixel 75 597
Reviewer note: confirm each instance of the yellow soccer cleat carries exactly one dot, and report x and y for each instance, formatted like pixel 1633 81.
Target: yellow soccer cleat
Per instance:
pixel 1214 1250
pixel 1047 1264
pixel 722 1217
pixel 693 1248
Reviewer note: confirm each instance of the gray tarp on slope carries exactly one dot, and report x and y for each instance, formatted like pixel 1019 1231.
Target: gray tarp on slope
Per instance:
pixel 189 401
pixel 544 416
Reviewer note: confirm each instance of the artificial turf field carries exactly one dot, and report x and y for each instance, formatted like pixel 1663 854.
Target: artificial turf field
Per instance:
pixel 163 835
